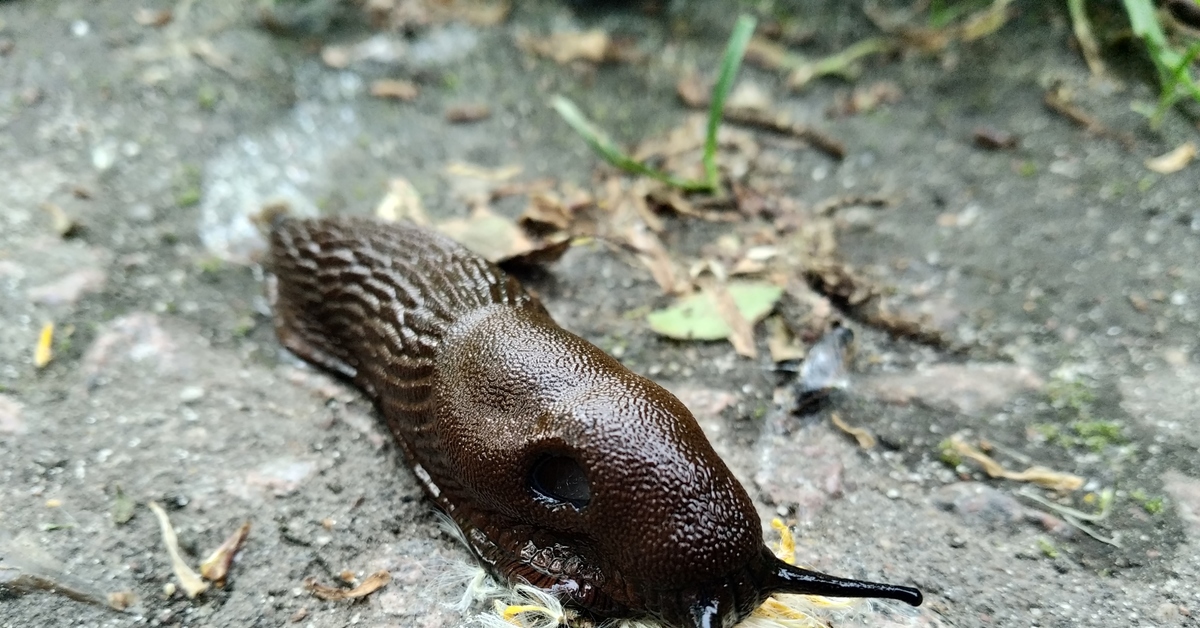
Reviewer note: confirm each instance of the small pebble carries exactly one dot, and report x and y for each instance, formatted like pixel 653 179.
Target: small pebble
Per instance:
pixel 191 394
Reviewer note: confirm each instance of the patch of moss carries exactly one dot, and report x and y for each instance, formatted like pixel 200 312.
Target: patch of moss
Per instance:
pixel 188 186
pixel 209 266
pixel 1152 505
pixel 1097 435
pixel 1073 394
pixel 948 454
pixel 1047 548
pixel 243 327
pixel 207 97
pixel 1048 431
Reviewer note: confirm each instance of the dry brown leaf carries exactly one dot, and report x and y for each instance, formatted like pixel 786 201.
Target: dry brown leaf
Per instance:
pixel 406 14
pixel 192 584
pixel 1173 161
pixel 990 138
pixel 474 12
pixel 546 213
pixel 152 17
pixel 336 57
pixel 402 202
pixel 368 586
pixel 488 234
pixel 780 342
pixel 986 21
pixel 865 439
pixel 766 54
pixel 216 567
pixel 1042 476
pixel 693 90
pixel 472 112
pixel 565 47
pixel 668 198
pixel 865 99
pixel 545 253
pixel 651 252
pixel 397 89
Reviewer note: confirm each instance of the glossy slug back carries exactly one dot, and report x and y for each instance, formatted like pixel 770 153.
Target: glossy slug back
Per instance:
pixel 562 467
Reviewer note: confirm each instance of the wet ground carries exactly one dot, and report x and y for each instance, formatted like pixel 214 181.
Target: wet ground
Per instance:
pixel 1062 275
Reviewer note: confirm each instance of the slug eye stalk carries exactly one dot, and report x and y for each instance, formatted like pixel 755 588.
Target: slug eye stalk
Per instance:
pixel 787 578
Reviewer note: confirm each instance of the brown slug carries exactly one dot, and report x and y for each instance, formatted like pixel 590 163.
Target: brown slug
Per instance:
pixel 562 468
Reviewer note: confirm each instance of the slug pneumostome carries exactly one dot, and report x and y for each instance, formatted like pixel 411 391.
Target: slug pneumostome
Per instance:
pixel 562 468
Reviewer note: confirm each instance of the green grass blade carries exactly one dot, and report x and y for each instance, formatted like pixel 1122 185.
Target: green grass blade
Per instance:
pixel 730 63
pixel 606 149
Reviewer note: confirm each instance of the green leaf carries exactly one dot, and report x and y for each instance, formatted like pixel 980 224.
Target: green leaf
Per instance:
pixel 695 317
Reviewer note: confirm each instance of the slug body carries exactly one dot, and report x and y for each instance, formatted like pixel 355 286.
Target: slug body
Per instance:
pixel 562 468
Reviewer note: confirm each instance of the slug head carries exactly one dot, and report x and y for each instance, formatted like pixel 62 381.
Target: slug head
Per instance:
pixel 582 478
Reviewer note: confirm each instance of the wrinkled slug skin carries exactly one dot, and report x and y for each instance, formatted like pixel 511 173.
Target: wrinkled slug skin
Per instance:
pixel 478 384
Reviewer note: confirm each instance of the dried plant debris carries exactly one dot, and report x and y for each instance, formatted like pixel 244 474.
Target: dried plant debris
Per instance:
pixel 1061 100
pixel 369 585
pixel 912 35
pixel 467 112
pixel 752 108
pixel 43 351
pixel 215 568
pixel 395 89
pixel 408 14
pixel 864 99
pixel 499 239
pixel 402 202
pixel 1041 476
pixel 192 584
pixel 864 437
pixel 62 223
pixel 566 47
pixel 1080 520
pixel 1173 161
pixel 26 568
pixel 156 18
pixel 801 70
pixel 991 138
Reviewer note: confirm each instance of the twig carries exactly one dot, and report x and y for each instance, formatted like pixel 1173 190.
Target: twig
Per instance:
pixel 782 124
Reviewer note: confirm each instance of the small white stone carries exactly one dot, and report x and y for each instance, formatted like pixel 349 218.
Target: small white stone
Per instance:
pixel 191 394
